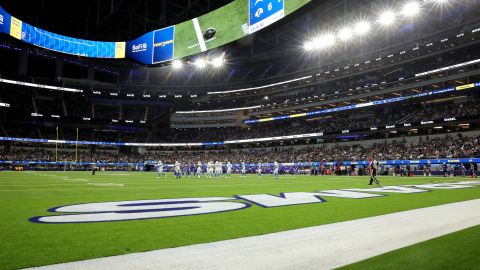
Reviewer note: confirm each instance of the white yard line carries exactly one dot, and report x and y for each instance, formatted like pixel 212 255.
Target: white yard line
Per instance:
pixel 198 32
pixel 106 184
pixel 320 247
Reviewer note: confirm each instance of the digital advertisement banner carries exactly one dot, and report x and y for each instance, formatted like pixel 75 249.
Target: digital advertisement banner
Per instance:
pixel 263 13
pixel 163 40
pixel 4 22
pixel 141 48
pixel 69 45
pixel 219 27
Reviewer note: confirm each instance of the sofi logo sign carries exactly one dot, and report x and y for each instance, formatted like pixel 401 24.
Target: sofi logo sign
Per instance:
pixel 165 208
pixel 139 47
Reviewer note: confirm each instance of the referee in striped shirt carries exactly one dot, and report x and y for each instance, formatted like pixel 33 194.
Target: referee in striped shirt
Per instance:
pixel 374 168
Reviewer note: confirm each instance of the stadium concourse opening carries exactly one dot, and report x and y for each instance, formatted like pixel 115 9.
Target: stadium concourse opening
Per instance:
pixel 147 131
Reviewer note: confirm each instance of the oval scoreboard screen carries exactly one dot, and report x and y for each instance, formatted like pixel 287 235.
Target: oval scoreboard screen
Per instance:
pixel 221 26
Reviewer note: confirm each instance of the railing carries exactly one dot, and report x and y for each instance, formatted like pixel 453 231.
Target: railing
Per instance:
pixel 236 165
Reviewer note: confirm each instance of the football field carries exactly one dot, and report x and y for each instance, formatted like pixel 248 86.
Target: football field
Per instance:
pixel 30 237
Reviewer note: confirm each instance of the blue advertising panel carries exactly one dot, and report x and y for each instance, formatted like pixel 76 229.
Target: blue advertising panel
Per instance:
pixel 141 48
pixel 263 13
pixel 64 44
pixel 4 21
pixel 163 43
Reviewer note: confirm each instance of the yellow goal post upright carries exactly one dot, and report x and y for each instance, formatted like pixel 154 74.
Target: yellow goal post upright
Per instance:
pixel 56 146
pixel 76 148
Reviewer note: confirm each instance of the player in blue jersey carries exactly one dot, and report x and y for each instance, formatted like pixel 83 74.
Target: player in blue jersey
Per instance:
pixel 259 169
pixel 160 169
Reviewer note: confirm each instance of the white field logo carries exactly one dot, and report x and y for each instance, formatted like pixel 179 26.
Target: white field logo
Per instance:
pixel 163 208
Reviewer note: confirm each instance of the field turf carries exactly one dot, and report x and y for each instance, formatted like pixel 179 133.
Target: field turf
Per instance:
pixel 27 194
pixel 457 250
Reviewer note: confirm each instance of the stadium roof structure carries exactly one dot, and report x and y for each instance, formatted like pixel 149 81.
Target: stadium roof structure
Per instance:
pixel 277 50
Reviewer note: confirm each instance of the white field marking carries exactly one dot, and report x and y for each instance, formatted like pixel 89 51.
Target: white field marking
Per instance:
pixel 198 32
pixel 116 174
pixel 83 180
pixel 163 193
pixel 44 184
pixel 52 189
pixel 106 184
pixel 307 248
pixel 152 187
pixel 29 181
pixel 195 45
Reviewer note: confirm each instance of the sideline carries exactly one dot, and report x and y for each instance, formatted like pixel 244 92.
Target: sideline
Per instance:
pixel 320 247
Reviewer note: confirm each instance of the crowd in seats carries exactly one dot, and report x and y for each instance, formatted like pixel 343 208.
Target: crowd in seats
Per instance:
pixel 351 120
pixel 360 119
pixel 446 147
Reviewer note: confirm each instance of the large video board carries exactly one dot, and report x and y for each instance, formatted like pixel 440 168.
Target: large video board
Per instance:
pixel 55 42
pixel 224 25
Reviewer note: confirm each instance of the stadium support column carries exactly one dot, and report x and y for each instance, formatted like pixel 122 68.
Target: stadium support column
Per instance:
pixel 23 64
pixel 147 77
pixel 227 149
pixel 91 73
pixel 58 69
pixel 241 116
pixel 125 76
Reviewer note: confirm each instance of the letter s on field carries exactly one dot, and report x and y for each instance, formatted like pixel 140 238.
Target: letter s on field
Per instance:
pixel 142 209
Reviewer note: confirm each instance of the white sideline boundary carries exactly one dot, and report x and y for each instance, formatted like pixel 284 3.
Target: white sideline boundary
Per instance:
pixel 320 247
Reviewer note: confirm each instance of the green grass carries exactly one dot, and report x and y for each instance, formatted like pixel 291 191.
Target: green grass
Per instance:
pixel 228 23
pixel 27 194
pixel 293 5
pixel 454 251
pixel 227 20
pixel 185 39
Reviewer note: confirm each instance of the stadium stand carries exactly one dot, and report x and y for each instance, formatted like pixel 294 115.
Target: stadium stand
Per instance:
pixel 156 134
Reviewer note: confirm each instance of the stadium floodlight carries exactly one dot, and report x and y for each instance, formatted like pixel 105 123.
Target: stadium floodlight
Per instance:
pixel 345 34
pixel 386 18
pixel 176 64
pixel 200 63
pixel 328 40
pixel 411 9
pixel 217 62
pixel 362 28
pixel 324 41
pixel 308 46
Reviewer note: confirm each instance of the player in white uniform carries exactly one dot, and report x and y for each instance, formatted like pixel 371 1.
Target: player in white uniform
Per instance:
pixel 199 169
pixel 259 170
pixel 160 169
pixel 214 169
pixel 177 170
pixel 229 169
pixel 275 169
pixel 244 169
pixel 218 169
pixel 210 169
